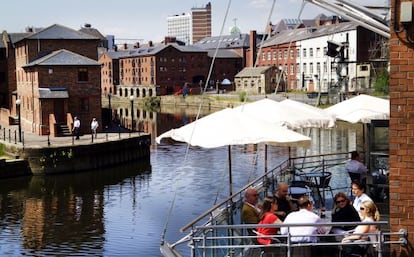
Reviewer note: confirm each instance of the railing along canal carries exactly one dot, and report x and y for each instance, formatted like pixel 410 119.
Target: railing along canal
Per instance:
pixel 227 212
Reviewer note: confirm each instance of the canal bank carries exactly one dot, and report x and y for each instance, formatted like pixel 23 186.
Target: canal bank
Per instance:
pixel 41 155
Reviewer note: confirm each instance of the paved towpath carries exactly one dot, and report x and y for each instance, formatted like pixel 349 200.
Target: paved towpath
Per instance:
pixel 9 134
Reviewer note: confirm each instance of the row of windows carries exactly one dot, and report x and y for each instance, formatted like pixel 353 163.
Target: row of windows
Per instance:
pixel 179 69
pixel 283 54
pixel 83 75
pixel 125 92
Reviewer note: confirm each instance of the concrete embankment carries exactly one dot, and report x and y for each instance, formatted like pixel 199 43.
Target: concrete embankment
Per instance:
pixel 208 101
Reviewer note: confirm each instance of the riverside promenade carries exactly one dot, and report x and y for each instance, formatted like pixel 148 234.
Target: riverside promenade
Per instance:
pixel 41 154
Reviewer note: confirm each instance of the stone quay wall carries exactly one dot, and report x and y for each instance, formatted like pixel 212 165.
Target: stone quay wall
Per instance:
pixel 77 158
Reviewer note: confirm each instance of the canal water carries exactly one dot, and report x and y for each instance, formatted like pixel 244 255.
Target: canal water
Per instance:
pixel 126 210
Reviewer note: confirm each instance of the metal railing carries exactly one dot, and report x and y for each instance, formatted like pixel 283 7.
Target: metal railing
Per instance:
pixel 233 240
pixel 227 212
pixel 11 136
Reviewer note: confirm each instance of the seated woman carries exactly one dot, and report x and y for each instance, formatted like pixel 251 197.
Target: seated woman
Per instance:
pixel 369 213
pixel 267 216
pixel 343 212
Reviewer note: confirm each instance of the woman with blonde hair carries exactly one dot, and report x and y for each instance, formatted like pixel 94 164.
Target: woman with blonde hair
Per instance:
pixel 369 212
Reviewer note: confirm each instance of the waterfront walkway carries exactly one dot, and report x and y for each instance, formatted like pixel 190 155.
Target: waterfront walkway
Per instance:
pixel 9 135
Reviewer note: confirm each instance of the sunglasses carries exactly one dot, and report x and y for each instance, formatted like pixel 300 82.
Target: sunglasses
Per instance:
pixel 340 201
pixel 361 208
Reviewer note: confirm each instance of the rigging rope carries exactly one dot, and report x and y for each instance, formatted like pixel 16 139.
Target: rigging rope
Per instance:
pixel 197 116
pixel 279 78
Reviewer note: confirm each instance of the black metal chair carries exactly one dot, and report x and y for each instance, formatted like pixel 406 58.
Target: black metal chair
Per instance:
pixel 323 186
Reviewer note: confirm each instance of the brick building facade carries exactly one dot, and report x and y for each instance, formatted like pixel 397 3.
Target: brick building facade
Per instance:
pixel 401 131
pixel 166 67
pixel 57 77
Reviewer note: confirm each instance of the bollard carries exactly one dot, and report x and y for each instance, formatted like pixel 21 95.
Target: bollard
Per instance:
pixel 106 136
pixel 48 139
pixel 92 135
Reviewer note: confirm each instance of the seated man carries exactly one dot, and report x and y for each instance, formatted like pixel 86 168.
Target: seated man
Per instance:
pixel 285 205
pixel 250 211
pixel 303 215
pixel 356 168
pixel 303 234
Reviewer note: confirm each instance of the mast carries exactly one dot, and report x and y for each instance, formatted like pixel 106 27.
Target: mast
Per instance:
pixel 356 13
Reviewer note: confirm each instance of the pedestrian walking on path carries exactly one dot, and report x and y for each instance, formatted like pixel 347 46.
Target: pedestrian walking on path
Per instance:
pixel 94 127
pixel 76 127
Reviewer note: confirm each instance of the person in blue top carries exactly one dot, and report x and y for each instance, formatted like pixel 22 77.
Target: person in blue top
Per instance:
pixel 356 169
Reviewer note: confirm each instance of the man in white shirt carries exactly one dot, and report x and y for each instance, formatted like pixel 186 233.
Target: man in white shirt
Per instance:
pixel 358 189
pixel 76 127
pixel 304 215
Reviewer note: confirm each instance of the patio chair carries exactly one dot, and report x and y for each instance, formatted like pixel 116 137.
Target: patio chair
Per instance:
pixel 324 185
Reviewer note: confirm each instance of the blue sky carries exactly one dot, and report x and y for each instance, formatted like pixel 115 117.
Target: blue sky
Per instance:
pixel 146 19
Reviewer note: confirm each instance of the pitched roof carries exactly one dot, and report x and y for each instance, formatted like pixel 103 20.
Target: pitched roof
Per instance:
pixel 152 50
pixel 62 57
pixel 57 31
pixel 252 71
pixel 295 35
pixel 93 32
pixel 226 41
pixel 117 54
pixel 53 93
pixel 224 53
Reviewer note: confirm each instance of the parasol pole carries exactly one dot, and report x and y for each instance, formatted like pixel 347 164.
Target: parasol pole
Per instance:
pixel 265 158
pixel 230 175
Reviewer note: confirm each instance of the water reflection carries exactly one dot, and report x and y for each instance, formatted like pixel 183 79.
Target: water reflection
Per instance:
pixel 125 210
pixel 65 214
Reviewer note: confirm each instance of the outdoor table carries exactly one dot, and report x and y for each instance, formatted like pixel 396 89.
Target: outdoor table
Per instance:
pixel 297 192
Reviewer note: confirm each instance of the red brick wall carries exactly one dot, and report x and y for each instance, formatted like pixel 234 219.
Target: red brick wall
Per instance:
pixel 401 135
pixel 66 77
pixel 171 68
pixel 86 48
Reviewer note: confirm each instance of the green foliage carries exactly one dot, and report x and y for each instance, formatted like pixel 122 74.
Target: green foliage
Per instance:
pixel 1 149
pixel 242 96
pixel 381 84
pixel 56 157
pixel 152 103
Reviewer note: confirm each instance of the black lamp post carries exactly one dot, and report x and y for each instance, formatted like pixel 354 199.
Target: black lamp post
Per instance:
pixel 110 109
pixel 18 103
pixel 131 98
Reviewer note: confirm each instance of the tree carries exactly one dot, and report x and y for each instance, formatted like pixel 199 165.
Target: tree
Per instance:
pixel 381 84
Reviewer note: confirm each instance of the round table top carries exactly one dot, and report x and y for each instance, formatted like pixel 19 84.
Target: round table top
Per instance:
pixel 299 190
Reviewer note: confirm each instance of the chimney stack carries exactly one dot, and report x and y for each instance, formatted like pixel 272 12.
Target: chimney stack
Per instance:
pixel 168 40
pixel 252 47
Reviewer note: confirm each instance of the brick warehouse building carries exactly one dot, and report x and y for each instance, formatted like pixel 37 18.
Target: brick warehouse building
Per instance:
pixel 167 66
pixel 57 78
pixel 401 130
